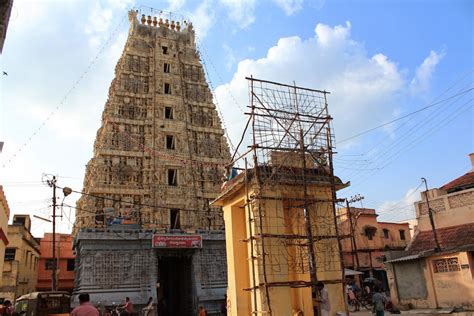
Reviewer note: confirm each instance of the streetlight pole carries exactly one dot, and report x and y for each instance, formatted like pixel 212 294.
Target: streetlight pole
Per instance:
pixel 353 225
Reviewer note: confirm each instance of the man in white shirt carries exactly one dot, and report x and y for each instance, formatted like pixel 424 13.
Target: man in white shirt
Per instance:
pixel 324 295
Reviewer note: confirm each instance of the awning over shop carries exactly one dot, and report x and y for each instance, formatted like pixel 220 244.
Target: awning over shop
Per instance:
pixel 351 272
pixel 406 258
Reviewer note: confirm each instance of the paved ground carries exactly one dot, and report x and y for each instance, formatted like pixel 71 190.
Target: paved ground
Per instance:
pixel 418 312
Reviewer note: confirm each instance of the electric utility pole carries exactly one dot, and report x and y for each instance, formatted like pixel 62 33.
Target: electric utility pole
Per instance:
pixel 430 214
pixel 52 184
pixel 352 224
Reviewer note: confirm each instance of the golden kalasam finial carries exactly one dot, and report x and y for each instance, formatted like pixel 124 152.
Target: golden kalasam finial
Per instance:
pixel 167 23
pixel 160 23
pixel 155 22
pixel 143 20
pixel 178 26
pixel 148 21
pixel 172 25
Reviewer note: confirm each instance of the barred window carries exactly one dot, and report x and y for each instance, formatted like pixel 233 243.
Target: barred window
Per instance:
pixel 10 254
pixel 446 265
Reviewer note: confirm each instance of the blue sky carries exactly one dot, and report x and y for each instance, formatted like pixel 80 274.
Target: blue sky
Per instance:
pixel 379 59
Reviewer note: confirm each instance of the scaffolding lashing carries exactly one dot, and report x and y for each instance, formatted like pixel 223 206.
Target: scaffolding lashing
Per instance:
pixel 291 145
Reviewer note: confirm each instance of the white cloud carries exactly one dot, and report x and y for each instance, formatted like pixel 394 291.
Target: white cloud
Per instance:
pixel 26 14
pixel 399 210
pixel 289 6
pixel 241 11
pixel 123 4
pixel 22 182
pixel 175 5
pixel 421 82
pixel 230 56
pixel 203 18
pixel 363 88
pixel 67 125
pixel 99 19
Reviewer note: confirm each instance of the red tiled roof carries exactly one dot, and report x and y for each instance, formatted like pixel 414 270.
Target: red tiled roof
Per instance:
pixel 460 183
pixel 449 238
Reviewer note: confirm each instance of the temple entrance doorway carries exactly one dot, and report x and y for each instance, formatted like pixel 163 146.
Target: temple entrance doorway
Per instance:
pixel 175 290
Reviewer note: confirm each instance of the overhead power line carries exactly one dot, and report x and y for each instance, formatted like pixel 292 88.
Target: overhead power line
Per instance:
pixel 406 115
pixel 154 206
pixel 68 93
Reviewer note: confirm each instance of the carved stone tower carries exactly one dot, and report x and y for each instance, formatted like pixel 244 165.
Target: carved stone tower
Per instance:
pixel 144 226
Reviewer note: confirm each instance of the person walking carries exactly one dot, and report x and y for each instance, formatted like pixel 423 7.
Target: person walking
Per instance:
pixel 85 308
pixel 128 307
pixel 379 300
pixel 324 296
pixel 149 309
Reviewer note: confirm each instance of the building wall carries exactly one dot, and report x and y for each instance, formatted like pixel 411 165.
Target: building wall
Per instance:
pixel 112 266
pixel 449 209
pixel 443 288
pixel 20 275
pixel 64 253
pixel 4 216
pixel 283 263
pixel 418 284
pixel 370 251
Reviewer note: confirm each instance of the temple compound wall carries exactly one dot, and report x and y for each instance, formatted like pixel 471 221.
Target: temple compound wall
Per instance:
pixel 144 226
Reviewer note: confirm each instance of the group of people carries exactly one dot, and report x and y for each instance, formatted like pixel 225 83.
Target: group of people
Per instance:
pixel 86 308
pixel 376 295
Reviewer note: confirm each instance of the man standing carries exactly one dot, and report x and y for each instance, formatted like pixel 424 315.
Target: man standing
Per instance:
pixel 85 308
pixel 324 296
pixel 379 300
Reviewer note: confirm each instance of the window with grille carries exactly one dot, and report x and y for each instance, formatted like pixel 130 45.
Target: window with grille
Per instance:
pixel 166 68
pixel 402 234
pixel 446 265
pixel 386 233
pixel 10 254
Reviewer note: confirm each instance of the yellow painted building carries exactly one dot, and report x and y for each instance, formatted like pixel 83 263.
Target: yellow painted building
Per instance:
pixel 20 269
pixel 428 276
pixel 4 216
pixel 271 226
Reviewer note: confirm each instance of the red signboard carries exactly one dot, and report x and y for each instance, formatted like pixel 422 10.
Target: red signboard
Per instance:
pixel 177 241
